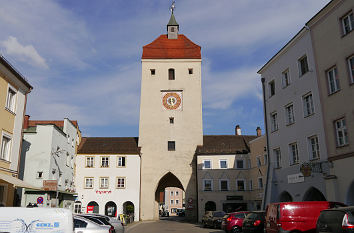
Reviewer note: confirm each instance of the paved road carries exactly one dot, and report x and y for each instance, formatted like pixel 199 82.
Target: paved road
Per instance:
pixel 168 225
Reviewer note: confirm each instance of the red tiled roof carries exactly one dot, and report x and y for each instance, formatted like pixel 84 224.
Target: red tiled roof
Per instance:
pixel 59 124
pixel 109 145
pixel 164 48
pixel 225 144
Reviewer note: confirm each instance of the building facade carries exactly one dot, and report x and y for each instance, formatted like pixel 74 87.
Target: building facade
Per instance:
pixel 13 97
pixel 295 123
pixel 332 33
pixel 257 165
pixel 108 176
pixel 223 174
pixel 48 152
pixel 170 126
pixel 174 199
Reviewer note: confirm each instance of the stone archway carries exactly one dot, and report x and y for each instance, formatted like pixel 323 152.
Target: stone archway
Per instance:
pixel 350 194
pixel 210 206
pixel 313 194
pixel 93 207
pixel 128 208
pixel 168 180
pixel 110 209
pixel 285 197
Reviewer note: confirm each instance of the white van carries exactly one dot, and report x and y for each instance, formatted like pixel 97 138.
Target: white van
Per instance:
pixel 26 220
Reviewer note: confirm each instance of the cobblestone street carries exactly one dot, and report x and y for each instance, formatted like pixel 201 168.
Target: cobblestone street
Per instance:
pixel 169 225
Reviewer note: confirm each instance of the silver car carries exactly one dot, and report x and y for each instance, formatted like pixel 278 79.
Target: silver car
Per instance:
pixel 117 224
pixel 83 225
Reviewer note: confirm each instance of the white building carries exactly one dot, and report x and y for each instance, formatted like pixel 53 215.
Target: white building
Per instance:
pixel 48 155
pixel 295 123
pixel 108 176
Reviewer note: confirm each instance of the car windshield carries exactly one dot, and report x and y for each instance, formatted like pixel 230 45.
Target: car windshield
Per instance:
pixel 218 214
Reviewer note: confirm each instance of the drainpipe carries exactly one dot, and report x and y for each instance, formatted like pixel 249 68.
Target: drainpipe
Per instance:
pixel 196 184
pixel 268 151
pixel 140 183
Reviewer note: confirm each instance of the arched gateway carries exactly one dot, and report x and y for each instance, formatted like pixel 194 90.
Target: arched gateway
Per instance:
pixel 170 126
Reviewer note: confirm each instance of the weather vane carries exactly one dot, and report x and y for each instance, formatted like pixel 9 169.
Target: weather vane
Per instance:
pixel 172 8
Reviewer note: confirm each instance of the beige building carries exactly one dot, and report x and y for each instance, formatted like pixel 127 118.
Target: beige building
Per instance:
pixel 170 126
pixel 13 97
pixel 258 164
pixel 174 199
pixel 228 174
pixel 332 33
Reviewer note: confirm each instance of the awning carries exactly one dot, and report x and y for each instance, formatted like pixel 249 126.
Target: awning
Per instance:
pixel 17 182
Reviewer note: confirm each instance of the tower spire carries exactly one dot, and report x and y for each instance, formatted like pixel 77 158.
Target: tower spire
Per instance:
pixel 172 26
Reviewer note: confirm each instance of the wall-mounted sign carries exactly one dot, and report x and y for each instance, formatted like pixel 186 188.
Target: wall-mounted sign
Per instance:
pixel 103 192
pixel 50 185
pixel 296 178
pixel 40 200
pixel 236 198
pixel 90 209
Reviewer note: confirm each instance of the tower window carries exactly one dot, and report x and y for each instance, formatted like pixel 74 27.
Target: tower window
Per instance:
pixel 190 71
pixel 171 145
pixel 172 120
pixel 152 71
pixel 172 29
pixel 171 74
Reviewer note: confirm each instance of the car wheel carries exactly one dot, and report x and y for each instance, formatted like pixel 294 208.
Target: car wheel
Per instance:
pixel 236 229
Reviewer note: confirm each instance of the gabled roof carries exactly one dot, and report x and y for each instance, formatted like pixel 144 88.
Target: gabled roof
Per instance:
pixel 109 145
pixel 225 144
pixel 59 124
pixel 164 48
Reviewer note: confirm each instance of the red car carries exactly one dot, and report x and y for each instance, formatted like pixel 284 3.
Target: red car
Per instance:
pixel 295 216
pixel 232 222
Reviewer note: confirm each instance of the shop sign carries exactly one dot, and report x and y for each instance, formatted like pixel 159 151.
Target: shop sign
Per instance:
pixel 103 192
pixel 50 185
pixel 296 178
pixel 90 209
pixel 234 198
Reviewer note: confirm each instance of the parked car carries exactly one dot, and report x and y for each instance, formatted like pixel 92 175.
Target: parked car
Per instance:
pixel 164 213
pixel 115 222
pixel 254 222
pixel 181 212
pixel 99 219
pixel 84 225
pixel 232 222
pixel 338 220
pixel 295 216
pixel 213 219
pixel 13 219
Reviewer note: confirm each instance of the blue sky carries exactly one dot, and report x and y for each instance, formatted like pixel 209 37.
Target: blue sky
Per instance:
pixel 83 56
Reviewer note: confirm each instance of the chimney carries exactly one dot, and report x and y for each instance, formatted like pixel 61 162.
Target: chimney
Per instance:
pixel 259 131
pixel 26 121
pixel 238 130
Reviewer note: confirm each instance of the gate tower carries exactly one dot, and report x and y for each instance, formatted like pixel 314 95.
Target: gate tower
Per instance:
pixel 170 125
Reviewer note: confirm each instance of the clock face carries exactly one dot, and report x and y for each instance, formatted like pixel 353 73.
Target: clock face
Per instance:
pixel 171 100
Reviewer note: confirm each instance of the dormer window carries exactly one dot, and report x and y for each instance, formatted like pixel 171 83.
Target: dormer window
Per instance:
pixel 171 74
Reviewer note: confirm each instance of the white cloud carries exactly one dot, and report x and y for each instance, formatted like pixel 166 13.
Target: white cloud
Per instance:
pixel 56 33
pixel 24 52
pixel 222 89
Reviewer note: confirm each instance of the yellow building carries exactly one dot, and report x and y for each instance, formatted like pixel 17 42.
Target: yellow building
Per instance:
pixel 13 97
